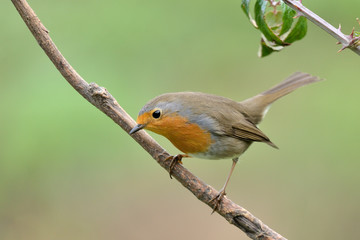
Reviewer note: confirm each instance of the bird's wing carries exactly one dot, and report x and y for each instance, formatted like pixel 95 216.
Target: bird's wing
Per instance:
pixel 237 124
pixel 228 118
pixel 249 132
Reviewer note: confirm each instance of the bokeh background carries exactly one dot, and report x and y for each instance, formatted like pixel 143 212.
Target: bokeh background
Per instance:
pixel 68 172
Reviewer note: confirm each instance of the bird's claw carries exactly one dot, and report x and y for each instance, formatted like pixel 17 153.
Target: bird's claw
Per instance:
pixel 217 199
pixel 174 160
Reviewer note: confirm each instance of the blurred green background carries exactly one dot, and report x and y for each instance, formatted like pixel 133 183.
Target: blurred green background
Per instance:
pixel 68 172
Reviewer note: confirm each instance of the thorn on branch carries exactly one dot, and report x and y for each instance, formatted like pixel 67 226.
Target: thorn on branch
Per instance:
pixel 352 33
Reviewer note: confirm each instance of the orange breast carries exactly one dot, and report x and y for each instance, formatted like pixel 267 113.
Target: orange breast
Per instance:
pixel 187 137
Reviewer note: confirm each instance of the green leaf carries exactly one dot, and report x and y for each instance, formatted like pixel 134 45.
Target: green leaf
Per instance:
pixel 288 18
pixel 260 10
pixel 245 7
pixel 298 31
pixel 277 25
pixel 264 49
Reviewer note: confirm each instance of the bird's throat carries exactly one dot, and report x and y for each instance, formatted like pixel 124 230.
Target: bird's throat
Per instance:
pixel 186 136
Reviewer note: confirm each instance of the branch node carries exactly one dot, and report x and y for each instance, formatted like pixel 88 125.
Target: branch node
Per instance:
pixel 353 41
pixel 97 91
pixel 101 96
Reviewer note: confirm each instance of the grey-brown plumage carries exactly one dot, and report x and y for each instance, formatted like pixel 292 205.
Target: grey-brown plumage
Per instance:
pixel 233 125
pixel 213 127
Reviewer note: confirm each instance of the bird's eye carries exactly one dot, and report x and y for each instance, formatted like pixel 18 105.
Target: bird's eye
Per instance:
pixel 156 114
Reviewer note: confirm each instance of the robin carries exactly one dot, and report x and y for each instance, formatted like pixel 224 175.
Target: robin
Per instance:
pixel 212 127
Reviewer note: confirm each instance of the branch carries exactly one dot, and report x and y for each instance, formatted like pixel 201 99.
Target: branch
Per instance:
pixel 102 99
pixel 347 41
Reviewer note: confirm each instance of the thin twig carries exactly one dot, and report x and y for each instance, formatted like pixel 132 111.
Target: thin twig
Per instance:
pixel 347 41
pixel 103 100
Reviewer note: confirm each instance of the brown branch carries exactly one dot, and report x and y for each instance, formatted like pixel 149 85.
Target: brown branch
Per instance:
pixel 102 99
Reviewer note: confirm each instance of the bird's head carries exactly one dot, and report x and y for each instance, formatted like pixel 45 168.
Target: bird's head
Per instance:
pixel 159 115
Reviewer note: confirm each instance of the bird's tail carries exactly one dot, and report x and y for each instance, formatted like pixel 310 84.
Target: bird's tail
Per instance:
pixel 258 105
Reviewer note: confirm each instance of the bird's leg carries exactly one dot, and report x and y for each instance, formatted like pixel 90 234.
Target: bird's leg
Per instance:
pixel 175 159
pixel 222 193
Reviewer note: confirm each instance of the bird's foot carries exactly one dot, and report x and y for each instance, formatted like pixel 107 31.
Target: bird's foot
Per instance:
pixel 217 199
pixel 174 160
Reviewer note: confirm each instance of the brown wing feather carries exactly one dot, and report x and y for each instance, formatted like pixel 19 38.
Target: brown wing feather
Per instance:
pixel 249 132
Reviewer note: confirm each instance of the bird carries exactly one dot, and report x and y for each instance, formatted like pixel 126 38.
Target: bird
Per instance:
pixel 208 126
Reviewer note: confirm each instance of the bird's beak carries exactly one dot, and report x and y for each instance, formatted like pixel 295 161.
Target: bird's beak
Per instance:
pixel 137 128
